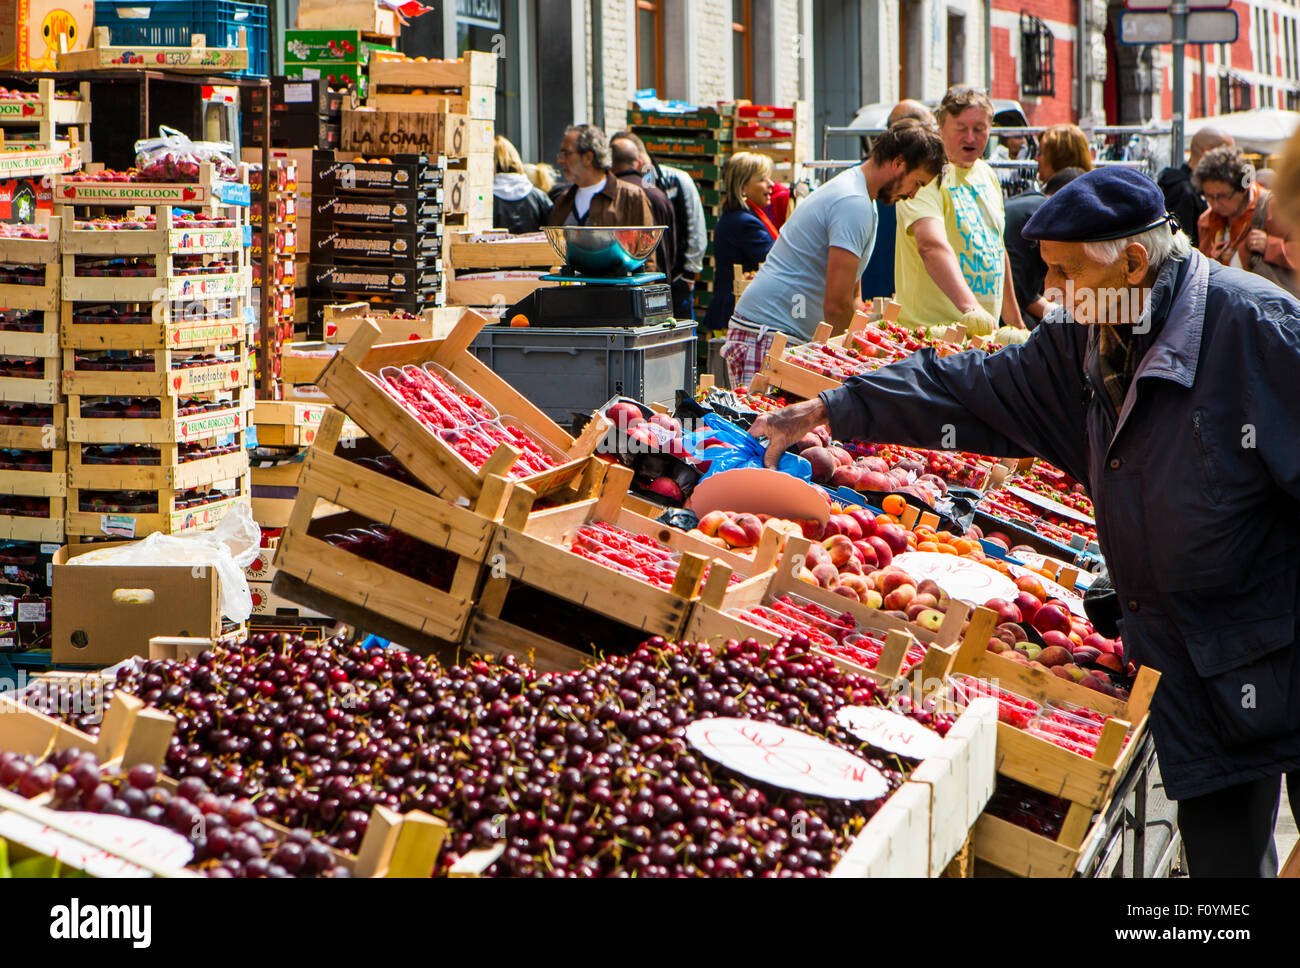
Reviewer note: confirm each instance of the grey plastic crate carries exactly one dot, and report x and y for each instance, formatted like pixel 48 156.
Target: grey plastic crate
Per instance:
pixel 568 371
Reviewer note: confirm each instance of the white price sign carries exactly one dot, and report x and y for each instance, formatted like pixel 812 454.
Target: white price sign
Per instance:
pixel 887 730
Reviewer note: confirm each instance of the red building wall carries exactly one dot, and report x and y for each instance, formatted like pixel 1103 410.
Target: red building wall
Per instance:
pixel 1060 16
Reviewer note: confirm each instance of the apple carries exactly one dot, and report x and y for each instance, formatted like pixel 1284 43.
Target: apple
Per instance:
pixel 1096 640
pixel 806 441
pixel 1051 618
pixel 1032 650
pixel 841 456
pixel 895 536
pixel 1005 610
pixel 844 476
pixel 1027 604
pixel 930 619
pixel 667 422
pixel 884 553
pixel 1084 654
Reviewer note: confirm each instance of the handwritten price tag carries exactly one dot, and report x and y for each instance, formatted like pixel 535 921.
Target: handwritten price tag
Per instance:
pixel 889 731
pixel 165 848
pixel 787 758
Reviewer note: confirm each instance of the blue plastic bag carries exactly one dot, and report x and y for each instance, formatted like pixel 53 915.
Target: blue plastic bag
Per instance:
pixel 745 451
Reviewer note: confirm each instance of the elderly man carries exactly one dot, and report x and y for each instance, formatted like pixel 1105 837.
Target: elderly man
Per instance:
pixel 1171 390
pixel 1181 196
pixel 949 262
pixel 594 195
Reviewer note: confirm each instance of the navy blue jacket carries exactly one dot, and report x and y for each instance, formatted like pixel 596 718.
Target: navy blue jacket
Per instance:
pixel 740 238
pixel 1196 485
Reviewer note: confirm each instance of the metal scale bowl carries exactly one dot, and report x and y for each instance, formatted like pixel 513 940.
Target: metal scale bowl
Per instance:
pixel 600 282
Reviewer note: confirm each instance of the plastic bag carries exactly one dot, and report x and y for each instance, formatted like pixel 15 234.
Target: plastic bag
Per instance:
pixel 229 548
pixel 736 448
pixel 173 157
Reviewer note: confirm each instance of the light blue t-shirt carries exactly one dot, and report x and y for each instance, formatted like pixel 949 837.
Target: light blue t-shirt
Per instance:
pixel 788 292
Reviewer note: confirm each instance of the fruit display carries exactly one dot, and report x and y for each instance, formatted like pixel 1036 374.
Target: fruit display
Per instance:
pixel 637 555
pixel 741 531
pixel 8 231
pixel 1042 478
pixel 146 502
pixel 877 467
pixel 590 769
pixel 399 552
pixel 951 467
pixel 1002 502
pixel 181 219
pixel 1026 807
pixel 227 834
pixel 130 408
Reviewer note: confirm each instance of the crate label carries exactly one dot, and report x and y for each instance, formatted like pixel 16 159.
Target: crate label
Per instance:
pixel 30 164
pixel 208 240
pixel 164 849
pixel 205 332
pixel 31 611
pixel 311 74
pixel 233 193
pixel 117 525
pixel 889 731
pixel 205 425
pixel 83 193
pixel 49 549
pixel 299 93
pixel 8 643
pixel 200 378
pixel 787 758
pixel 197 517
pixel 11 570
pixel 226 284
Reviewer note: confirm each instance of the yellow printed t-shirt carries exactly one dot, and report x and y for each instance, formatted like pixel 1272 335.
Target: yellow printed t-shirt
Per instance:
pixel 969 201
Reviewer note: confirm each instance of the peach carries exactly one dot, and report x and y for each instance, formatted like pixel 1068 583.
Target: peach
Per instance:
pixel 1060 672
pixel 817 554
pixel 1097 641
pixel 731 532
pixel 623 413
pixel 846 592
pixel 858 583
pixel 1084 654
pixel 1030 584
pixel 808 576
pixel 753 527
pixel 1109 660
pixel 1058 639
pixel 930 619
pixel 823 464
pixel 874 481
pixel 806 441
pixel 1054 655
pixel 1012 629
pixel 840 549
pixel 851 567
pixel 1032 650
pixel 1006 612
pixel 1014 656
pixel 710 522
pixel 866 521
pixel 826 574
pixel 915 608
pixel 900 597
pixel 842 457
pixel 926 599
pixel 812 530
pixel 892 578
pixel 867 553
pixel 1095 684
pixel 1027 604
pixel 844 475
pixel 873 599
pixel 667 422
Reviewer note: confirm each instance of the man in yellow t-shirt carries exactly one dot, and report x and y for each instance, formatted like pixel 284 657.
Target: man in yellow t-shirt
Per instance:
pixel 950 264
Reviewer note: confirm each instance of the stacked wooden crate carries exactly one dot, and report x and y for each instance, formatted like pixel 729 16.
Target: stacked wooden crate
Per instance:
pixel 47 118
pixel 495 269
pixel 780 133
pixel 698 142
pixel 33 455
pixel 156 365
pixel 278 298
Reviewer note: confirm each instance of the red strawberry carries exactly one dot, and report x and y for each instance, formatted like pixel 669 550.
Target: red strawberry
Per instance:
pixel 176 383
pixel 188 194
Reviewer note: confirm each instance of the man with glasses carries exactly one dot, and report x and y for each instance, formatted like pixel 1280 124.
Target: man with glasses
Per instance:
pixel 950 264
pixel 1241 227
pixel 595 196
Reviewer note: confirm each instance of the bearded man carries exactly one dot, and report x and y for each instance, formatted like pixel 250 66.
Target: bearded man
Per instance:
pixel 1167 383
pixel 813 271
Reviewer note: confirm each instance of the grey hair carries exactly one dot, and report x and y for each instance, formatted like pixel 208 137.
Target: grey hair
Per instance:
pixel 1162 243
pixel 591 138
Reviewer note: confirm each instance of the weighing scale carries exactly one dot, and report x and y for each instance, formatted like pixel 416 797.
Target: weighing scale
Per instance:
pixel 599 284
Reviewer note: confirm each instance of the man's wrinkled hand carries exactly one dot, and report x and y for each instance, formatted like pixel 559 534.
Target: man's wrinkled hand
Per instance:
pixel 786 426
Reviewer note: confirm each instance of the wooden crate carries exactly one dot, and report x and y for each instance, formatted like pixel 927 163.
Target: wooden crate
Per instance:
pixel 46 109
pixel 473 68
pixel 167 330
pixel 305 362
pixel 538 555
pixel 166 379
pixel 197 58
pixel 208 192
pixel 48 436
pixel 226 284
pixel 169 474
pixel 491 292
pixel 343 320
pixel 33 251
pixel 290 424
pixel 464 531
pixel 502 252
pixel 43 389
pixel 168 519
pixel 43 343
pixel 169 428
pixel 711 618
pixel 51 483
pixel 363 15
pixel 465 192
pixel 44 297
pixel 411 132
pixel 926 822
pixel 15 527
pixel 161 242
pixel 479 103
pixel 1087 782
pixel 352 383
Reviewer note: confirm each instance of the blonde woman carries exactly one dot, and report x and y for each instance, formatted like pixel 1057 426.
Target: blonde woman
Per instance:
pixel 1063 146
pixel 517 206
pixel 744 233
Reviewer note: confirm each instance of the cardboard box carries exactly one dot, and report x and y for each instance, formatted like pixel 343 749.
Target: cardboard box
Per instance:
pixel 328 47
pixel 22 198
pixel 30 31
pixel 104 614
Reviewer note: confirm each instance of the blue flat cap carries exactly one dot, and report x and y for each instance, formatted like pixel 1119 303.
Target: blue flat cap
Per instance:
pixel 1100 205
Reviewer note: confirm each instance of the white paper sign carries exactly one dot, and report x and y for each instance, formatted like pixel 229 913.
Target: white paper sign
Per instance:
pixel 787 758
pixel 165 848
pixel 887 730
pixel 963 579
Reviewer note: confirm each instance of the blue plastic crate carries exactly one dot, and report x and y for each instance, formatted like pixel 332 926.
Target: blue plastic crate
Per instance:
pixel 169 23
